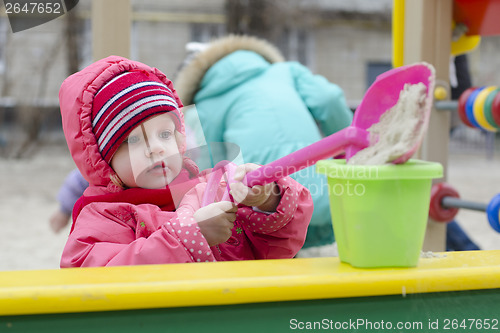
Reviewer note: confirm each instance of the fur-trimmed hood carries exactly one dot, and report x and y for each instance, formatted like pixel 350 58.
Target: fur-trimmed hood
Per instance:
pixel 189 78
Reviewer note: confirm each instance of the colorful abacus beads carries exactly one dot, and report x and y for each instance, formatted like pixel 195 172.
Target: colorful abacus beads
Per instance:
pixel 493 213
pixel 479 107
pixel 462 101
pixel 445 203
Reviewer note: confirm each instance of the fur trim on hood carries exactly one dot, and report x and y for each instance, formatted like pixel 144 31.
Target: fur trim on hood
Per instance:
pixel 190 76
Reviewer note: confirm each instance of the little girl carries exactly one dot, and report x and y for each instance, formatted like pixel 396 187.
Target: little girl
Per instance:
pixel 125 133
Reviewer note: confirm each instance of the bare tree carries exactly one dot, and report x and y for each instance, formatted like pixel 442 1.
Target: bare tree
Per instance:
pixel 73 28
pixel 5 90
pixel 31 113
pixel 235 11
pixel 266 19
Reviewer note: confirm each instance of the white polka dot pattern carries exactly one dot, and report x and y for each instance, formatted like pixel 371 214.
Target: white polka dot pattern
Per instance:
pixel 190 236
pixel 267 223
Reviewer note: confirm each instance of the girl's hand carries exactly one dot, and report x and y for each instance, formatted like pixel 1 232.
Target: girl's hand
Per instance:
pixel 216 221
pixel 265 198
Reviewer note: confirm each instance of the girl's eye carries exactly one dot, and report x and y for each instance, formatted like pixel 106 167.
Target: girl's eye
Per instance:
pixel 165 134
pixel 132 139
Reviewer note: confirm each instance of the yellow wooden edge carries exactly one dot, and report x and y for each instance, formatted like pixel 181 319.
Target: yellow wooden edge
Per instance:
pixel 463 45
pixel 398 29
pixel 222 283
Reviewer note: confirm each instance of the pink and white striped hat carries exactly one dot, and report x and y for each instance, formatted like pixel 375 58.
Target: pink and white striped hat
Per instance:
pixel 126 101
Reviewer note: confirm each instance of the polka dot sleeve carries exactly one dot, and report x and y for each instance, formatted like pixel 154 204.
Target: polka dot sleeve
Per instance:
pixel 265 223
pixel 190 237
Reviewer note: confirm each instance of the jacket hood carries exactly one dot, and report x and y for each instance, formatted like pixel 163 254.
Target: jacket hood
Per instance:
pixel 76 96
pixel 189 78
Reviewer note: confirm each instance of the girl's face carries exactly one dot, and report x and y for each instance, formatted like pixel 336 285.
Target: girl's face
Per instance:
pixel 149 157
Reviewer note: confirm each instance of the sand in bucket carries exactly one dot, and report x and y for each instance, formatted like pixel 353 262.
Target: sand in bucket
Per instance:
pixel 379 210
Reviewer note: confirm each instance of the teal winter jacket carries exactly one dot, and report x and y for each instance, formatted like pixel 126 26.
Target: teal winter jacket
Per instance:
pixel 247 95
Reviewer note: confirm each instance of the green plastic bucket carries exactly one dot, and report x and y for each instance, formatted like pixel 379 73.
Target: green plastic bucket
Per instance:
pixel 379 212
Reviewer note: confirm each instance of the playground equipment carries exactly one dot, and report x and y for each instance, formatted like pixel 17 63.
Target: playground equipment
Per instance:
pixel 445 202
pixel 431 31
pixel 256 296
pixel 479 107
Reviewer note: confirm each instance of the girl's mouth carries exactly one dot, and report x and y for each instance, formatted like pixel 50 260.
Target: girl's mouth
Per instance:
pixel 158 167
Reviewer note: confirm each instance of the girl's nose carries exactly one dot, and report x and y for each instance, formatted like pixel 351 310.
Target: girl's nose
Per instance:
pixel 154 147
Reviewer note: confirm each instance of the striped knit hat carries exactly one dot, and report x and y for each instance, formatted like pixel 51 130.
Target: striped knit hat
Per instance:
pixel 125 102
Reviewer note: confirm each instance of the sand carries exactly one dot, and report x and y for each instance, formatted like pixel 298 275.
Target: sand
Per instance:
pixel 390 138
pixel 27 199
pixel 29 187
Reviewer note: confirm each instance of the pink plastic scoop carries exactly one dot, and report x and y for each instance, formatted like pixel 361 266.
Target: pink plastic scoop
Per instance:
pixel 382 95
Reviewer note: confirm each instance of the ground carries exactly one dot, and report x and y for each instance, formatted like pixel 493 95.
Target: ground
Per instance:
pixel 29 187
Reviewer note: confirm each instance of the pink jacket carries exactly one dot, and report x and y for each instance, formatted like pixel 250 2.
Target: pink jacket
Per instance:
pixel 110 234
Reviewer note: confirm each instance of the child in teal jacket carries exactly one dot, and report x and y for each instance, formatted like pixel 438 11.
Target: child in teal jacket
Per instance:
pixel 246 94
